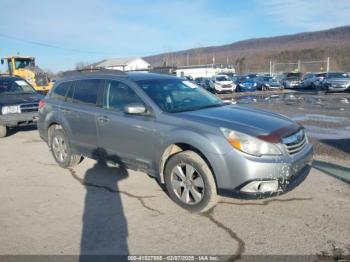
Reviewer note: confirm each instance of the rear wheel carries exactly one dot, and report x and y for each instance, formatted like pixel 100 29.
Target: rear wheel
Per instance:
pixel 61 150
pixel 190 182
pixel 3 131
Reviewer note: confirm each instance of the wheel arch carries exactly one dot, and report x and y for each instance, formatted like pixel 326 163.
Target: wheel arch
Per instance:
pixel 178 147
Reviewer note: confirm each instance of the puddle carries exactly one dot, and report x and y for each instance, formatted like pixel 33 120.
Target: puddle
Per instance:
pixel 327 133
pixel 323 116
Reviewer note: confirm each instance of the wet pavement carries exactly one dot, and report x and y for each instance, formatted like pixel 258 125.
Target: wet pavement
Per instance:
pixel 326 118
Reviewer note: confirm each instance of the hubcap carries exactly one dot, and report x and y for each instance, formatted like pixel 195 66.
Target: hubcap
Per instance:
pixel 59 148
pixel 187 184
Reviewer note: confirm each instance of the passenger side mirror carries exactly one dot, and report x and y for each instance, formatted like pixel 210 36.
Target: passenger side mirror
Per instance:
pixel 2 61
pixel 135 109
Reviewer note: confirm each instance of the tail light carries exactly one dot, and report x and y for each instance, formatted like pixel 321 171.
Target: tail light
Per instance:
pixel 41 104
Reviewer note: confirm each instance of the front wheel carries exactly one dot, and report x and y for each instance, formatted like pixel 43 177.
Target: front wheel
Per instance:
pixel 190 182
pixel 61 150
pixel 3 131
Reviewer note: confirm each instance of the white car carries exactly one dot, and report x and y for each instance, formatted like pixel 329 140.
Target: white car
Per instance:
pixel 221 84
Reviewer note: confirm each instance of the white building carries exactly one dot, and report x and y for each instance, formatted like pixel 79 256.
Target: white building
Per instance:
pixel 203 70
pixel 124 64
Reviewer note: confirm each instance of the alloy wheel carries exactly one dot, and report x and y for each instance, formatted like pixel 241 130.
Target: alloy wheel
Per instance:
pixel 187 184
pixel 59 148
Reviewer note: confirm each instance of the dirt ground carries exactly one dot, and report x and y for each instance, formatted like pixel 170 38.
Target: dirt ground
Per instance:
pixel 99 209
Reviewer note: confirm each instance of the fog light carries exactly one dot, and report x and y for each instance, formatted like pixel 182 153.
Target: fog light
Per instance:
pixel 261 187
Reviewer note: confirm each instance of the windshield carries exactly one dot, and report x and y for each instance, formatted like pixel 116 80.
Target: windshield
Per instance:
pixel 337 75
pixel 22 63
pixel 176 95
pixel 268 79
pixel 17 86
pixel 222 78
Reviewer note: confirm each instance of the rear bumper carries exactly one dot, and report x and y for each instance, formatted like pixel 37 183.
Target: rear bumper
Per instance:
pixel 23 119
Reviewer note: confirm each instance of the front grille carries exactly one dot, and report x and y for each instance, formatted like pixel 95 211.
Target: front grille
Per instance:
pixel 296 142
pixel 33 107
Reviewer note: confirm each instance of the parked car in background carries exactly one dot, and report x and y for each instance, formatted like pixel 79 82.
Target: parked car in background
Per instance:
pixel 246 84
pixel 267 83
pixel 206 85
pixel 336 81
pixel 313 80
pixel 291 80
pixel 19 103
pixel 185 137
pixel 222 84
pixel 199 81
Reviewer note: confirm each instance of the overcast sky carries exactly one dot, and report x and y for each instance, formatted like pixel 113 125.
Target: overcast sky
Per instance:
pixel 63 33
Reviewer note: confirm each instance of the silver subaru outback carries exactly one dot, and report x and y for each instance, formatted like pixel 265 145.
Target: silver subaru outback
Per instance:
pixel 176 132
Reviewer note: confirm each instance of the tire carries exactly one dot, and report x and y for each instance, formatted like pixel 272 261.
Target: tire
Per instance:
pixel 3 131
pixel 60 148
pixel 195 191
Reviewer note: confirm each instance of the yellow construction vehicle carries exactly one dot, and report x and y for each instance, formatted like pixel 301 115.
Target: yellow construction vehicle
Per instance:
pixel 24 66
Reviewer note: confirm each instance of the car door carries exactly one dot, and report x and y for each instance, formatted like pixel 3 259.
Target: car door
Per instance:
pixel 79 111
pixel 124 137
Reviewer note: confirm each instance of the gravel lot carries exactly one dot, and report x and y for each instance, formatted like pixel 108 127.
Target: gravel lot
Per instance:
pixel 99 209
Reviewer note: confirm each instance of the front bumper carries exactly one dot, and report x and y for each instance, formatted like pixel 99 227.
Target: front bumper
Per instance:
pixel 235 170
pixel 335 88
pixel 224 89
pixel 23 119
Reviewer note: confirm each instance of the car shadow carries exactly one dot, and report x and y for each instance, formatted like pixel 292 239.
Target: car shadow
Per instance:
pixel 340 172
pixel 105 229
pixel 14 130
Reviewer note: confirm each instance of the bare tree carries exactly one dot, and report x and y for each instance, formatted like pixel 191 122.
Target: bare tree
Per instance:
pixel 81 65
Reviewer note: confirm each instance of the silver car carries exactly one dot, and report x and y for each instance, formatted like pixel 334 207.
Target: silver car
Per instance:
pixel 176 132
pixel 336 81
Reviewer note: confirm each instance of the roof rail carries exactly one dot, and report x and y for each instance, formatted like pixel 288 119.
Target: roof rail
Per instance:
pixel 93 70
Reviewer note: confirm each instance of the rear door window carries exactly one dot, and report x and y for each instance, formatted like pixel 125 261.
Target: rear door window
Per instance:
pixel 86 91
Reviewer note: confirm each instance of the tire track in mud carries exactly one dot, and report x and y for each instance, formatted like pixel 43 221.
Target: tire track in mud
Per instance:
pixel 141 199
pixel 209 214
pixel 241 244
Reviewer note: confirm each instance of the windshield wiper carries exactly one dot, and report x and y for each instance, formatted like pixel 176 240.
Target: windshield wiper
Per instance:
pixel 209 106
pixel 196 108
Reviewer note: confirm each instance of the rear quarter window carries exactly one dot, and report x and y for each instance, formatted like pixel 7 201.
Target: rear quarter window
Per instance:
pixel 60 91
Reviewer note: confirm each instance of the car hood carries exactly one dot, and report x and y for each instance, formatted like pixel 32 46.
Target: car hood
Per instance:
pixel 255 122
pixel 337 80
pixel 19 99
pixel 224 82
pixel 272 83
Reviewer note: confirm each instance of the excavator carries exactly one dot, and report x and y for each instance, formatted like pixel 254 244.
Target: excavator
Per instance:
pixel 24 66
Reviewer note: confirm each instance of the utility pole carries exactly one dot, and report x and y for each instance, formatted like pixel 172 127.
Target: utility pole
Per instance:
pixel 327 64
pixel 270 68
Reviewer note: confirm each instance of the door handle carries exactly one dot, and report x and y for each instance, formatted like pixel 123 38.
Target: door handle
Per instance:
pixel 103 119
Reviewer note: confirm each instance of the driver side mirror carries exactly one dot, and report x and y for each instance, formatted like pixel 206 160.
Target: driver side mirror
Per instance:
pixel 135 109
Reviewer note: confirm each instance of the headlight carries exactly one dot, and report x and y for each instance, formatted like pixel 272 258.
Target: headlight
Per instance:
pixel 254 84
pixel 10 110
pixel 249 144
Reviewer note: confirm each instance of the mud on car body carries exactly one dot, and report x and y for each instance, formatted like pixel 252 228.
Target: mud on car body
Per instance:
pixel 18 103
pixel 175 131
